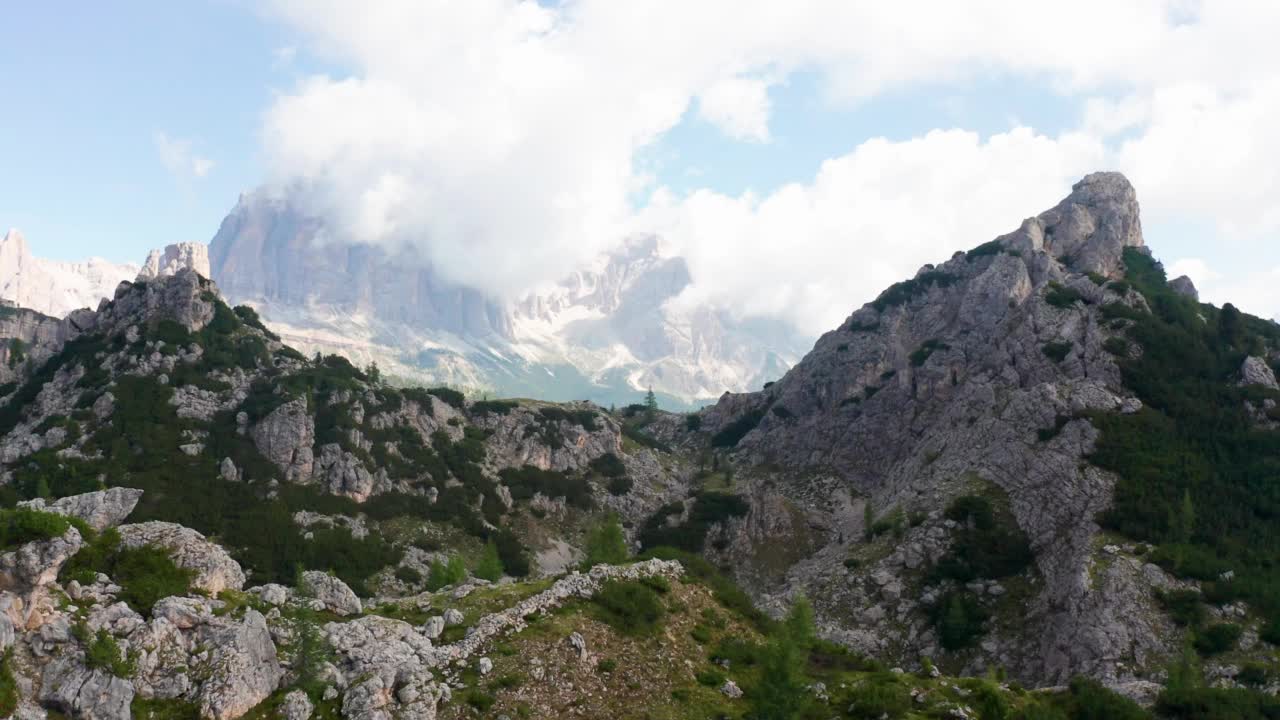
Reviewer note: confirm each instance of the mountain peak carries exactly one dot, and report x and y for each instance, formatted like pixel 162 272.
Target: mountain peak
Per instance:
pixel 1089 229
pixel 162 263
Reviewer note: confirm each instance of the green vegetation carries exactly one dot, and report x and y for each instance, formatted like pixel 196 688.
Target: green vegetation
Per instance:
pixel 490 565
pixel 1061 296
pixel 1196 474
pixel 1218 638
pixel 903 292
pixel 732 433
pixel 921 354
pixel 442 574
pixel 102 652
pixel 709 508
pixel 1057 351
pixel 959 620
pixel 21 526
pixel 8 685
pixel 146 574
pixel 529 480
pixel 988 545
pixel 606 544
pixel 494 407
pixel 782 690
pixel 632 608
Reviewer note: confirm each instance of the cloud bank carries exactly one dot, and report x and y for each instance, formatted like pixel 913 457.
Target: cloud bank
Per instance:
pixel 501 137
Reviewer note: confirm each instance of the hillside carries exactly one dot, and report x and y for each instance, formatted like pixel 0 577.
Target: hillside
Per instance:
pixel 1030 472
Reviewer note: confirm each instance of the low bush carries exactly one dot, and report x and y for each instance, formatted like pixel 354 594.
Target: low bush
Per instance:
pixel 692 422
pixel 494 407
pixel 731 434
pixel 921 354
pixel 1088 700
pixel 621 485
pixel 880 696
pixel 1218 638
pixel 21 526
pixel 710 678
pixel 406 574
pixel 1061 296
pixel 1184 606
pixel 102 652
pixel 959 620
pixel 442 574
pixel 609 465
pixel 1057 351
pixel 632 608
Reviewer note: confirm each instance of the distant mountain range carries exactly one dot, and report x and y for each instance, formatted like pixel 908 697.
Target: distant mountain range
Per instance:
pixel 605 333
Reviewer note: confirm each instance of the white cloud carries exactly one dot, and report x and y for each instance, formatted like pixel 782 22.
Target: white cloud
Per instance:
pixel 1252 290
pixel 811 253
pixel 178 157
pixel 501 136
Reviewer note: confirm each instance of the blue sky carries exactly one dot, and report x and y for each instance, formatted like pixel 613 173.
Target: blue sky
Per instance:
pixel 134 124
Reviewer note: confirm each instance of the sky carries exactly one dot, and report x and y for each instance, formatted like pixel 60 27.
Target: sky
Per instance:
pixel 800 155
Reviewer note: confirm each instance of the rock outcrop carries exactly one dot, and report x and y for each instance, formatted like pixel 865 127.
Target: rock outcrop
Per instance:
pixel 286 437
pixel 100 510
pixel 214 568
pixel 1256 371
pixel 331 593
pixel 176 257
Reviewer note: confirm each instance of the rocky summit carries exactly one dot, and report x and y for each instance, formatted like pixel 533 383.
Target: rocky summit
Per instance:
pixel 1035 480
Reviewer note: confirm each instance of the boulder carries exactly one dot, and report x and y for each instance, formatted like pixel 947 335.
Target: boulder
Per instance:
pixel 336 596
pixel 1183 286
pixel 26 572
pixel 100 510
pixel 75 690
pixel 286 437
pixel 242 668
pixel 452 617
pixel 433 627
pixel 215 569
pixel 1256 371
pixel 296 706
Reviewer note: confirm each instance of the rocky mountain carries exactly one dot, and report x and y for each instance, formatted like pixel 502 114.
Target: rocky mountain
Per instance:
pixel 53 287
pixel 57 288
pixel 1035 465
pixel 606 333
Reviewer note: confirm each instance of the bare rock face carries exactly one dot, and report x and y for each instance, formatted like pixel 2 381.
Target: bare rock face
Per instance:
pixel 943 383
pixel 176 257
pixel 1256 371
pixel 285 437
pixel 80 692
pixel 26 572
pixel 215 569
pixel 336 596
pixel 242 668
pixel 184 297
pixel 101 509
pixel 1183 286
pixel 345 474
pixel 1089 229
pixel 512 444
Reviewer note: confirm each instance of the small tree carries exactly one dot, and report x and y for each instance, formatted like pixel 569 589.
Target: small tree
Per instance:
pixel 782 690
pixel 650 403
pixel 490 567
pixel 606 544
pixel 375 375
pixel 309 653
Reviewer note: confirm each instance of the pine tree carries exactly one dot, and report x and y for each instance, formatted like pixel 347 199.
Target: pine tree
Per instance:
pixel 650 403
pixel 490 567
pixel 782 690
pixel 606 544
pixel 375 374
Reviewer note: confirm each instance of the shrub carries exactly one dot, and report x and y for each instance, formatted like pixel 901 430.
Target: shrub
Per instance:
pixel 710 678
pixel 609 465
pixel 632 608
pixel 449 397
pixel 1089 700
pixel 620 485
pixel 515 561
pixel 21 526
pixel 606 665
pixel 1207 703
pixel 991 247
pixel 1061 296
pixel 921 354
pixel 494 407
pixel 731 434
pixel 1253 673
pixel 442 574
pixel 990 546
pixel 709 508
pixel 1184 606
pixel 606 544
pixel 902 292
pixel 406 574
pixel 480 700
pixel 879 696
pixel 1097 278
pixel 104 653
pixel 1217 638
pixel 8 685
pixel 1057 351
pixel 1117 346
pixel 959 620
pixel 526 481
pixel 692 422
pixel 490 566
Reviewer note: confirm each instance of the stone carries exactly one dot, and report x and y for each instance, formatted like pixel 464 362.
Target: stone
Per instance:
pixel 484 666
pixel 100 510
pixel 228 471
pixel 214 568
pixel 1255 371
pixel 579 644
pixel 433 627
pixel 731 690
pixel 452 617
pixel 1183 286
pixel 272 594
pixel 286 437
pixel 75 690
pixel 336 596
pixel 242 668
pixel 296 706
